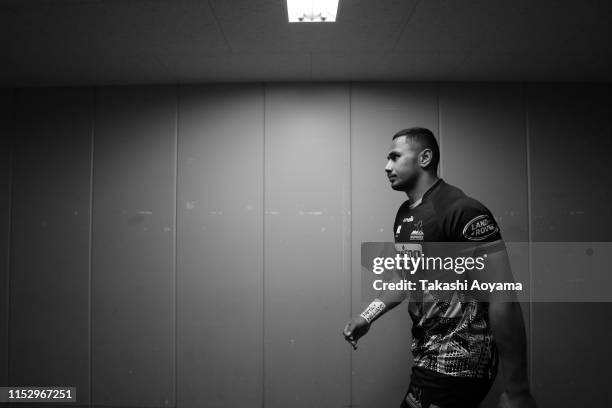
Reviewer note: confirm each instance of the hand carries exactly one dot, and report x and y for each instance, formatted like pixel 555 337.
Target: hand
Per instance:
pixel 356 328
pixel 519 400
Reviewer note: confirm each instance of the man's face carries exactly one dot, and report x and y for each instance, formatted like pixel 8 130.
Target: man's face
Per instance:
pixel 402 164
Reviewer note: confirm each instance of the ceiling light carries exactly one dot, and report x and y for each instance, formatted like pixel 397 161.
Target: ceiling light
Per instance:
pixel 312 11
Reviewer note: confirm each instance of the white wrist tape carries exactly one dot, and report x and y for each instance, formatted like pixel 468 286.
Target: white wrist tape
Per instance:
pixel 373 310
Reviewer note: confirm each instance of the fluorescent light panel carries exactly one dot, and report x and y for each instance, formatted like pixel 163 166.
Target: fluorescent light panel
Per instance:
pixel 312 11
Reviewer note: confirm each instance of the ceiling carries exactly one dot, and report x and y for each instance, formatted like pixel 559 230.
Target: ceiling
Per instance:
pixel 84 42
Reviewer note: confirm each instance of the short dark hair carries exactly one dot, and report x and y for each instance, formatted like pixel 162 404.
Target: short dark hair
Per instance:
pixel 426 139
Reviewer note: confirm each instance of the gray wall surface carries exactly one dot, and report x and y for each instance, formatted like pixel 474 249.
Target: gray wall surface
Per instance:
pixel 200 245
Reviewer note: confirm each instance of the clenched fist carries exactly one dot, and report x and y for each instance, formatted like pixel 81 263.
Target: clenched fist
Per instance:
pixel 356 328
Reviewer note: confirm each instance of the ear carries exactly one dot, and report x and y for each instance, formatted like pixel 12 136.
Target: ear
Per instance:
pixel 425 157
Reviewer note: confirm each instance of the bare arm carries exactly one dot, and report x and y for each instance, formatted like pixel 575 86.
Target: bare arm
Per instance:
pixel 508 329
pixel 509 333
pixel 358 326
pixel 392 298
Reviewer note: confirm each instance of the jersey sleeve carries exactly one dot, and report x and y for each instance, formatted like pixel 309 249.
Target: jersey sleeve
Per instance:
pixel 468 221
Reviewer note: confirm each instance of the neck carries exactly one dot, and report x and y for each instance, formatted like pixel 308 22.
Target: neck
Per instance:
pixel 423 184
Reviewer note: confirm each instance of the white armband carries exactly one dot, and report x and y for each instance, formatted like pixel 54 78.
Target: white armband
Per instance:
pixel 373 310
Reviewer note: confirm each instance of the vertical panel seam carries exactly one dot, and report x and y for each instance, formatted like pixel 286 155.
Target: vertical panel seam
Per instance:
pixel 441 162
pixel 529 231
pixel 263 256
pixel 90 254
pixel 10 231
pixel 350 232
pixel 175 244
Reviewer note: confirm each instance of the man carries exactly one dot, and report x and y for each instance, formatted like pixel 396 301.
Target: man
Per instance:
pixel 456 338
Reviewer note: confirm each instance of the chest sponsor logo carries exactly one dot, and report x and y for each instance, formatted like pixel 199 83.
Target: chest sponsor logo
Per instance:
pixel 409 219
pixel 417 232
pixel 480 228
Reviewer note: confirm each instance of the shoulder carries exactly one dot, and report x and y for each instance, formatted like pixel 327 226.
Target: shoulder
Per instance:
pixel 467 204
pixel 446 197
pixel 467 219
pixel 474 221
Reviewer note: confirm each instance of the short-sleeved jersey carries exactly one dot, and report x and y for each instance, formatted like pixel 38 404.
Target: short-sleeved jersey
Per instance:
pixel 451 332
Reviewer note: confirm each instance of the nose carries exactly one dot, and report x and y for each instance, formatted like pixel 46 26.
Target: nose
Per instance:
pixel 389 166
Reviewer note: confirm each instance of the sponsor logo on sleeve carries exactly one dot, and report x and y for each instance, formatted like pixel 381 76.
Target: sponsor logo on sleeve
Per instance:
pixel 480 228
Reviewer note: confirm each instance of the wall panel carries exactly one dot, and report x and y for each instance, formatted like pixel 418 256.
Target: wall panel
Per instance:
pixel 133 246
pixel 484 149
pixel 6 138
pixel 306 276
pixel 381 365
pixel 484 153
pixel 220 246
pixel 49 288
pixel 570 134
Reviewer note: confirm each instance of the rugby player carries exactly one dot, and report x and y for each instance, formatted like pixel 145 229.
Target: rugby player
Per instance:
pixel 457 341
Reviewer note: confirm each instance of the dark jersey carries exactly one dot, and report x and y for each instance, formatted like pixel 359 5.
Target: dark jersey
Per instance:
pixel 451 331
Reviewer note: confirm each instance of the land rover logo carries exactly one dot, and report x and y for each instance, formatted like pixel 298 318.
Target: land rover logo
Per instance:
pixel 480 228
